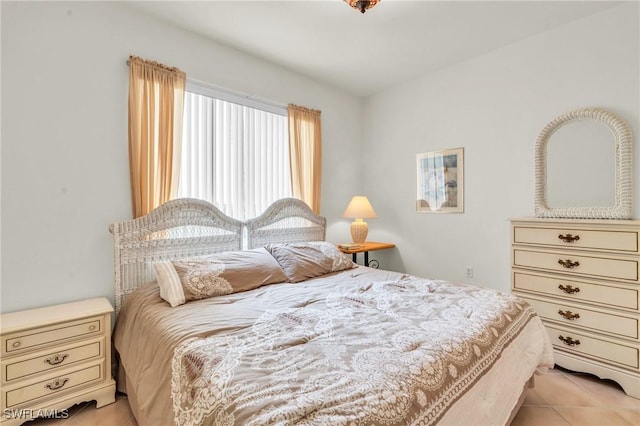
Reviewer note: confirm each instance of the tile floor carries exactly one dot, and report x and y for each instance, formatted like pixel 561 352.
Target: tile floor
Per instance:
pixel 560 398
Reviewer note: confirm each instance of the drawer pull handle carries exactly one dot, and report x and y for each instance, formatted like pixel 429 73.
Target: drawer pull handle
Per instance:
pixel 56 359
pixel 569 289
pixel 569 341
pixel 92 327
pixel 569 264
pixel 569 238
pixel 568 315
pixel 16 344
pixel 56 384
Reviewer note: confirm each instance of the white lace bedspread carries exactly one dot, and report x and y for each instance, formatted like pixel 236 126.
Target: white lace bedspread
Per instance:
pixel 394 352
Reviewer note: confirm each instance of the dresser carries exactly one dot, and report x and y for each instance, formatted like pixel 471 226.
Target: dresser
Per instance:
pixel 581 276
pixel 55 357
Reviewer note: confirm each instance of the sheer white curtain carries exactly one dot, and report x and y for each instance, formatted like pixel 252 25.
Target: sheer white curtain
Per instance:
pixel 234 156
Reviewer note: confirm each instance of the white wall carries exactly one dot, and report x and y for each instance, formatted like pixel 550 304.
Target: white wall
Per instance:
pixel 65 173
pixel 494 106
pixel 64 138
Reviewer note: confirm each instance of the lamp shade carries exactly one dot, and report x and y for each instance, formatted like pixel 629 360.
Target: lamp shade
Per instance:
pixel 359 208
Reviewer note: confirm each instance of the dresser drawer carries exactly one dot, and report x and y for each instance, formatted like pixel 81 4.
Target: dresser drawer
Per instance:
pixel 623 241
pixel 580 291
pixel 575 316
pixel 24 367
pixel 34 338
pixel 579 343
pixel 54 385
pixel 570 263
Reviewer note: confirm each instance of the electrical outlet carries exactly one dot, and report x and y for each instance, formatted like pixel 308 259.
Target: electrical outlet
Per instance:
pixel 468 271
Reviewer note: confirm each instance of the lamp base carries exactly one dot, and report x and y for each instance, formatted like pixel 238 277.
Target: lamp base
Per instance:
pixel 359 231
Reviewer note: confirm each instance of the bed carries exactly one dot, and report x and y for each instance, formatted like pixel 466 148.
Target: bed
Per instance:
pixel 327 343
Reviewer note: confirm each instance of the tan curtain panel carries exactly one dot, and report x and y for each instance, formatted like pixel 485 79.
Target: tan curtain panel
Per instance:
pixel 305 154
pixel 156 104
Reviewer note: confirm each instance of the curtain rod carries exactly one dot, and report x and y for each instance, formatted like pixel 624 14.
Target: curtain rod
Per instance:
pixel 150 62
pixel 232 92
pixel 237 94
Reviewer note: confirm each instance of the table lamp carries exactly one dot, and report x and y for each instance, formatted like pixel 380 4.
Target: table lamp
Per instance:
pixel 359 209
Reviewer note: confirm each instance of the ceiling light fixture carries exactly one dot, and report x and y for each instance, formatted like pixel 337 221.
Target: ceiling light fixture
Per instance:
pixel 362 5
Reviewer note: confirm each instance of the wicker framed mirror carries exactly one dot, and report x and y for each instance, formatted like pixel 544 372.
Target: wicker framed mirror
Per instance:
pixel 583 167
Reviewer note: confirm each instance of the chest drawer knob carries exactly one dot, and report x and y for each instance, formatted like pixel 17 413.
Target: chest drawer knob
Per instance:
pixel 569 264
pixel 568 238
pixel 57 384
pixel 16 344
pixel 568 315
pixel 569 341
pixel 56 359
pixel 569 289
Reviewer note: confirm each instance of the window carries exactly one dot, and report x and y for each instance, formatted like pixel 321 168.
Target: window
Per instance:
pixel 235 152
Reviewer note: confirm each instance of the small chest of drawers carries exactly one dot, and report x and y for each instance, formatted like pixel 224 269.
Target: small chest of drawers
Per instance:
pixel 54 357
pixel 582 277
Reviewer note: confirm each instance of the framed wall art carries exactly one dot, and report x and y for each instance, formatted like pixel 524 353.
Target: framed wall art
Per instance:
pixel 440 186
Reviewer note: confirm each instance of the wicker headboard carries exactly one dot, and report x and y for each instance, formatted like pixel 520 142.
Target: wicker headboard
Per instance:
pixel 286 221
pixel 188 227
pixel 177 229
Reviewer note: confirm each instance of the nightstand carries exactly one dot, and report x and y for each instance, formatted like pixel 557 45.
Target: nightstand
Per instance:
pixel 366 247
pixel 55 357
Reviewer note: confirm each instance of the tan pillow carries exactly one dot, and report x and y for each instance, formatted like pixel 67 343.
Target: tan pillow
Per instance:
pixel 301 261
pixel 181 281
